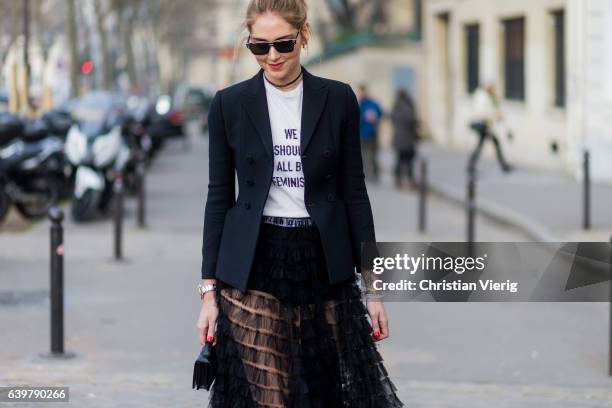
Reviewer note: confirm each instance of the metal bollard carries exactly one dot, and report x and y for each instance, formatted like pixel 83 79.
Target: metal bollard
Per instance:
pixel 423 196
pixel 141 173
pixel 118 190
pixel 57 281
pixel 586 215
pixel 610 303
pixel 471 206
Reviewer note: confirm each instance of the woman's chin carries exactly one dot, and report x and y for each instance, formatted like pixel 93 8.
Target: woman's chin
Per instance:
pixel 276 76
pixel 279 76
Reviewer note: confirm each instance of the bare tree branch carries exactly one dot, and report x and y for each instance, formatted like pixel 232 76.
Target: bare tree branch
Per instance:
pixel 74 53
pixel 101 15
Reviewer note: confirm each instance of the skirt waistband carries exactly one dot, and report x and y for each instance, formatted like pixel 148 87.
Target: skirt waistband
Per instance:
pixel 287 221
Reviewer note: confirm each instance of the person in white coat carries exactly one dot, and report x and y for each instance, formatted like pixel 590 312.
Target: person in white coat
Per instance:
pixel 486 114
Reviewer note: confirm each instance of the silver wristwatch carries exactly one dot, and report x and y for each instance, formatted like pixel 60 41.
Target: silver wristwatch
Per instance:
pixel 202 289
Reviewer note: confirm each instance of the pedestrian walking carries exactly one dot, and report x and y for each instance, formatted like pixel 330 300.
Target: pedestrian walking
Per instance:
pixel 370 114
pixel 281 304
pixel 405 137
pixel 486 114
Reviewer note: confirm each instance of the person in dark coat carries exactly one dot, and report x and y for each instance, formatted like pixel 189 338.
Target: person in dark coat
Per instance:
pixel 405 137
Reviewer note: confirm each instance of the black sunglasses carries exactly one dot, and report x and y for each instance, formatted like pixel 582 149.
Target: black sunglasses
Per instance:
pixel 282 46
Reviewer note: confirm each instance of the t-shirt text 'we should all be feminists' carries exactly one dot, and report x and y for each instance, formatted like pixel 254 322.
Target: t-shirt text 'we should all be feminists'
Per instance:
pixel 286 195
pixel 289 162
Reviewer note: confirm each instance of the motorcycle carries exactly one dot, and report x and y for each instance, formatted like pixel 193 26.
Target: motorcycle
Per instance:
pixel 31 166
pixel 96 149
pixel 58 123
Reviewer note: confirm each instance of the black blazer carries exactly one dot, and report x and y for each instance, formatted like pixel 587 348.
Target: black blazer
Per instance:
pixel 335 193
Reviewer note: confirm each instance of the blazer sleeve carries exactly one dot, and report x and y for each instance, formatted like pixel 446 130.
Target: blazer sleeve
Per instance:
pixel 352 184
pixel 221 187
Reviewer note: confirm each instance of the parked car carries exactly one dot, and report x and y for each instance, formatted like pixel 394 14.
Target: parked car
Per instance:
pixel 167 121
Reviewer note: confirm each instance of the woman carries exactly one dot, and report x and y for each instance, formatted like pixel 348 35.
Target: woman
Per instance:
pixel 405 137
pixel 280 297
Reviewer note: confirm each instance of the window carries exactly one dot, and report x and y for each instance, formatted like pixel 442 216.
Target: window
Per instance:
pixel 514 58
pixel 472 57
pixel 559 57
pixel 418 19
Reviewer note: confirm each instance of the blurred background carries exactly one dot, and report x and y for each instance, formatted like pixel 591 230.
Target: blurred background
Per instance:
pixel 490 124
pixel 549 60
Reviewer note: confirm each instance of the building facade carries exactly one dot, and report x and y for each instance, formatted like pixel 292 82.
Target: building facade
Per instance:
pixel 590 84
pixel 548 60
pixel 386 55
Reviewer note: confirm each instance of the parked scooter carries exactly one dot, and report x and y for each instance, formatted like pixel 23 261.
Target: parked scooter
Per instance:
pixel 96 148
pixel 58 123
pixel 31 166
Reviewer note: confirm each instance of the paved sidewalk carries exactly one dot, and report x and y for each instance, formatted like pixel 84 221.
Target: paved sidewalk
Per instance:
pixel 132 323
pixel 545 205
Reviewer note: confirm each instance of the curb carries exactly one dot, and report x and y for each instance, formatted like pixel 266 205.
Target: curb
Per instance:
pixel 498 213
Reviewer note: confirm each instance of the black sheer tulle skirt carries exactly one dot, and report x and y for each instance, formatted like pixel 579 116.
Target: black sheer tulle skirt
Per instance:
pixel 292 340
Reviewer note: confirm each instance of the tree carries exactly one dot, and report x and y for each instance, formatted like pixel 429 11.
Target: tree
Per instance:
pixel 107 72
pixel 126 12
pixel 9 27
pixel 355 15
pixel 174 24
pixel 344 13
pixel 74 49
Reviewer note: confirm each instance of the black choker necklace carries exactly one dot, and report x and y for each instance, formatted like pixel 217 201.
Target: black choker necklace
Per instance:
pixel 286 85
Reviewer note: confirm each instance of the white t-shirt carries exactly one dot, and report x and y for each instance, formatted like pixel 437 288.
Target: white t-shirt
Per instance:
pixel 286 195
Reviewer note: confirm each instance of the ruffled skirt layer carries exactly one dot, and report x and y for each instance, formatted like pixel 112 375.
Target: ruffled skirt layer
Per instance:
pixel 293 340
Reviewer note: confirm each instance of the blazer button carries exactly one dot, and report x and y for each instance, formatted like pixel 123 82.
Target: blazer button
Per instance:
pixel 247 205
pixel 303 156
pixel 331 197
pixel 250 183
pixel 310 204
pixel 328 177
pixel 327 153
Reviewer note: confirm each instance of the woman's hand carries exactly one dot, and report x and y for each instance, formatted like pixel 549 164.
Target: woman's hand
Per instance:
pixel 208 318
pixel 378 315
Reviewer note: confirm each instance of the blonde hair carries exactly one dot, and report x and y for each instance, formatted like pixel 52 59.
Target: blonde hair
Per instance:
pixel 295 12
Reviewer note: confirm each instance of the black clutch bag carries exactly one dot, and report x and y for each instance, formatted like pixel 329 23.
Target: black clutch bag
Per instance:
pixel 205 368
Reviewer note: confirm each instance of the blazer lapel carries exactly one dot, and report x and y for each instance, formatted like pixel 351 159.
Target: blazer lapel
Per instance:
pixel 315 95
pixel 256 106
